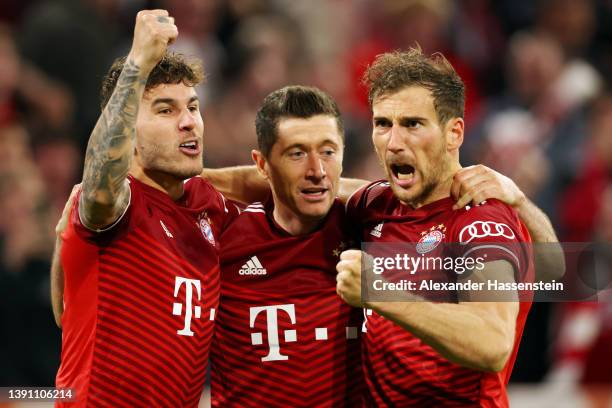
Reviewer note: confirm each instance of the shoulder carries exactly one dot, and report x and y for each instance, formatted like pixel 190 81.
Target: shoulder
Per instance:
pixel 374 195
pixel 246 218
pixel 489 208
pixel 255 209
pixel 492 218
pixel 199 186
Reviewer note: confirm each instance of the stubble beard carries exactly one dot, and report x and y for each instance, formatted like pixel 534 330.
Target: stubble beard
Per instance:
pixel 165 165
pixel 429 185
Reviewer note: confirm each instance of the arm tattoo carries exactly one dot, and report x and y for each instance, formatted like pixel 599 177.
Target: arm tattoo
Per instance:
pixel 110 150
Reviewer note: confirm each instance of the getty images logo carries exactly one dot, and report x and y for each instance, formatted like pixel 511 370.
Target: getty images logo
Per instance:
pixel 252 267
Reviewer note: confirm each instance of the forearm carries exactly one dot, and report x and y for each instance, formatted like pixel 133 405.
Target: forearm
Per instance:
pixel 110 150
pixel 549 258
pixel 239 183
pixel 57 284
pixel 462 333
pixel 538 224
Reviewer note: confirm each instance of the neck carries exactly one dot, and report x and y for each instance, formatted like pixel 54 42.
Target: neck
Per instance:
pixel 159 181
pixel 292 223
pixel 442 189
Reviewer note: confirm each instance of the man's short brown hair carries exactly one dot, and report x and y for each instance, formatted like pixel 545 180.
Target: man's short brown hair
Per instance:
pixel 292 102
pixel 393 71
pixel 171 69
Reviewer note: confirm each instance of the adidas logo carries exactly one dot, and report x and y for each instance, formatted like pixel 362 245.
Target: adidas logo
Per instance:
pixel 252 267
pixel 377 230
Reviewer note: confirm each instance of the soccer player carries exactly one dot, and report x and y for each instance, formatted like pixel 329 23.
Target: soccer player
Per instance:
pixel 283 338
pixel 424 353
pixel 140 251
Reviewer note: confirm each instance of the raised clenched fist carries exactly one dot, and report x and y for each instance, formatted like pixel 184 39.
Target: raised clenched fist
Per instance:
pixel 153 32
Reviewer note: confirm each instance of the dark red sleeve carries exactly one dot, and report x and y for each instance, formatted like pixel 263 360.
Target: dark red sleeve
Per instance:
pixel 494 232
pixel 358 204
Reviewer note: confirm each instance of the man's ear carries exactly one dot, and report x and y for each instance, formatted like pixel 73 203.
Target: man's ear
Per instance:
pixel 260 163
pixel 454 133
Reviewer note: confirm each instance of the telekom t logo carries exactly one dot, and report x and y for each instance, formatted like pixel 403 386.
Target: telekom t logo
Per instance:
pixel 272 324
pixel 177 308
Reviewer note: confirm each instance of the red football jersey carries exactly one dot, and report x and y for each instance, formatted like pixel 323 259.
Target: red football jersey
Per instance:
pixel 283 337
pixel 401 370
pixel 140 300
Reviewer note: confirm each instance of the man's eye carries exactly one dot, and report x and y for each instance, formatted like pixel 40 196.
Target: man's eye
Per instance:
pixel 413 124
pixel 297 154
pixel 382 123
pixel 165 111
pixel 193 108
pixel 328 152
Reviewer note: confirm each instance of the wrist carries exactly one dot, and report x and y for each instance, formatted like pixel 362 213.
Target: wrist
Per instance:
pixel 138 64
pixel 520 202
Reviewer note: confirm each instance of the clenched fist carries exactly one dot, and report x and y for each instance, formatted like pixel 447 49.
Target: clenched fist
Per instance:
pixel 154 31
pixel 348 280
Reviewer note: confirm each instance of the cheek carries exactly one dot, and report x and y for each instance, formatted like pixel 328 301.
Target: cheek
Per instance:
pixel 379 142
pixel 334 167
pixel 199 124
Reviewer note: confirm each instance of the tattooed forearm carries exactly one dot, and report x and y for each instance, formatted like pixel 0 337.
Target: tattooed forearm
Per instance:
pixel 110 150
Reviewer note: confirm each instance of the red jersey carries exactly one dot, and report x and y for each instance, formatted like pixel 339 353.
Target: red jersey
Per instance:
pixel 401 370
pixel 283 337
pixel 140 299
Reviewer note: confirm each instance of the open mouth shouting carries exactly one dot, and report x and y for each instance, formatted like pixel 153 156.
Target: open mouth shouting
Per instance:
pixel 404 175
pixel 190 148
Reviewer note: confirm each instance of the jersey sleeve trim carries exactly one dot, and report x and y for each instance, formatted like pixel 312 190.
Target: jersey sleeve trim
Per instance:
pixel 491 246
pixel 115 223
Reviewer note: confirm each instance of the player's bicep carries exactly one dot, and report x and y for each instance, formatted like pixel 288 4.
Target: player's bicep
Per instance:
pixel 57 283
pixel 99 215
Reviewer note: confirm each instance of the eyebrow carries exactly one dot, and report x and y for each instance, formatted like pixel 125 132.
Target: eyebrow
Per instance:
pixel 303 146
pixel 402 118
pixel 172 101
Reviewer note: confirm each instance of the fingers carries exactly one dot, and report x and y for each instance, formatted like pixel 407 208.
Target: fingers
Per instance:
pixel 344 266
pixel 463 201
pixel 351 254
pixel 461 178
pixel 477 193
pixel 467 189
pixel 155 12
pixel 469 184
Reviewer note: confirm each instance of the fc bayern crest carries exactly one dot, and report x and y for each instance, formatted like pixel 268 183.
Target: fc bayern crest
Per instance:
pixel 206 229
pixel 430 240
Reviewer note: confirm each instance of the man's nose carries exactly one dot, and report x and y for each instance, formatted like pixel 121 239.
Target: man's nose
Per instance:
pixel 395 143
pixel 186 121
pixel 316 169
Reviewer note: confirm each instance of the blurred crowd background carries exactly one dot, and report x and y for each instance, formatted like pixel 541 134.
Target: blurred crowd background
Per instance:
pixel 539 109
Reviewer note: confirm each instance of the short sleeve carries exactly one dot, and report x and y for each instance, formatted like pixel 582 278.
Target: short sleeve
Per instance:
pixel 231 210
pixel 493 231
pixel 358 204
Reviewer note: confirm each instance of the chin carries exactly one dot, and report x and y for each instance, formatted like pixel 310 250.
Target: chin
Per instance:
pixel 184 174
pixel 315 211
pixel 406 196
